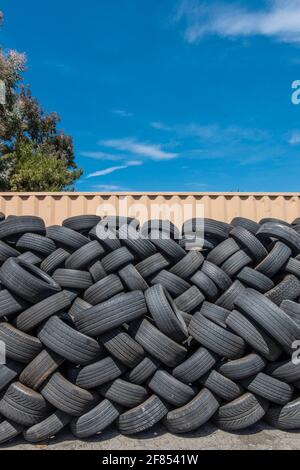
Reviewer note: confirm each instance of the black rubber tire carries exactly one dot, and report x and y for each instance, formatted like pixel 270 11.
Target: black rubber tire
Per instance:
pixel 255 279
pixel 85 256
pixel 223 251
pixel 54 261
pixel 19 346
pixel 287 289
pixel 107 238
pixel 165 313
pixel 111 314
pixel 130 237
pixel 143 416
pixel 66 396
pixel 285 417
pixel 27 281
pixel 212 228
pixel 72 278
pixel 280 232
pixel 293 267
pixel 188 265
pixel 7 251
pixel 248 224
pixel 21 224
pixel 10 304
pixel 124 393
pixel 157 343
pixel 94 421
pixel 98 373
pixel 175 285
pixel 162 225
pixel 8 372
pixel 117 259
pixel 205 284
pixel 47 428
pixel 221 386
pixel 40 368
pixel 150 266
pixel 270 317
pixel 103 290
pixel 286 370
pixel 216 338
pixel 168 247
pixel 69 343
pixel 292 309
pixel 170 389
pixel 249 241
pixel 189 300
pixel 123 347
pixel 275 260
pixel 195 366
pixel 253 335
pixel 23 405
pixel 132 279
pixel 217 275
pixel 242 368
pixel 65 237
pixel 81 223
pixel 39 312
pixel 192 415
pixel 240 413
pixel 36 243
pixel 31 258
pixel 227 299
pixel 268 387
pixel 143 371
pixel 9 430
pixel 233 265
pixel 97 271
pixel 215 313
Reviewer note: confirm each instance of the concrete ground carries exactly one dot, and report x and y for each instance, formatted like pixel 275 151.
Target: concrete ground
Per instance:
pixel 259 437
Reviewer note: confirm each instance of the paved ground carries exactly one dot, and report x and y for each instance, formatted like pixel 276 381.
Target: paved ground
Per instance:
pixel 208 437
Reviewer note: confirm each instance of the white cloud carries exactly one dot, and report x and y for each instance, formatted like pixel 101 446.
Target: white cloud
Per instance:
pixel 294 138
pixel 278 19
pixel 153 151
pixel 121 112
pixel 112 169
pixel 160 126
pixel 101 156
pixel 107 187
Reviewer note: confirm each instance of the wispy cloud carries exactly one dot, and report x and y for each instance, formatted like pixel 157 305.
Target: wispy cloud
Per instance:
pixel 107 187
pixel 141 149
pixel 112 169
pixel 294 138
pixel 215 133
pixel 160 126
pixel 101 156
pixel 278 19
pixel 122 113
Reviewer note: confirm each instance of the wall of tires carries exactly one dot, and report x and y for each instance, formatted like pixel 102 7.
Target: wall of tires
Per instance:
pixel 134 331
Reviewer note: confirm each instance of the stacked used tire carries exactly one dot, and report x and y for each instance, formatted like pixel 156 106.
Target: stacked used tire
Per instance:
pixel 138 328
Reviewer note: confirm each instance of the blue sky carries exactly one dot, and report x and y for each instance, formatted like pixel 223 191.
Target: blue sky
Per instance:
pixel 168 95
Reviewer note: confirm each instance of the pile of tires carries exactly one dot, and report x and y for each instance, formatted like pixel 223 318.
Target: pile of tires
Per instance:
pixel 133 330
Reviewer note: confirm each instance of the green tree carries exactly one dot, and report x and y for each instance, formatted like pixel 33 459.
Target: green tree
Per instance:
pixel 34 154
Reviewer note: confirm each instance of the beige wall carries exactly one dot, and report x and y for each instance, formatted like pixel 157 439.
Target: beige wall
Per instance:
pixel 55 207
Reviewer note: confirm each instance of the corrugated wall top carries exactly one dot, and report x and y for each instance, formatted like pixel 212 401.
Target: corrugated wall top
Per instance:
pixel 55 207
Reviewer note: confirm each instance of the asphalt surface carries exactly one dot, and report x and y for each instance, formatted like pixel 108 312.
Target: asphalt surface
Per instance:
pixel 258 437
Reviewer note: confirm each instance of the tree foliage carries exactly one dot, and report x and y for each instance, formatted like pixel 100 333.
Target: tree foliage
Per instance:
pixel 34 154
